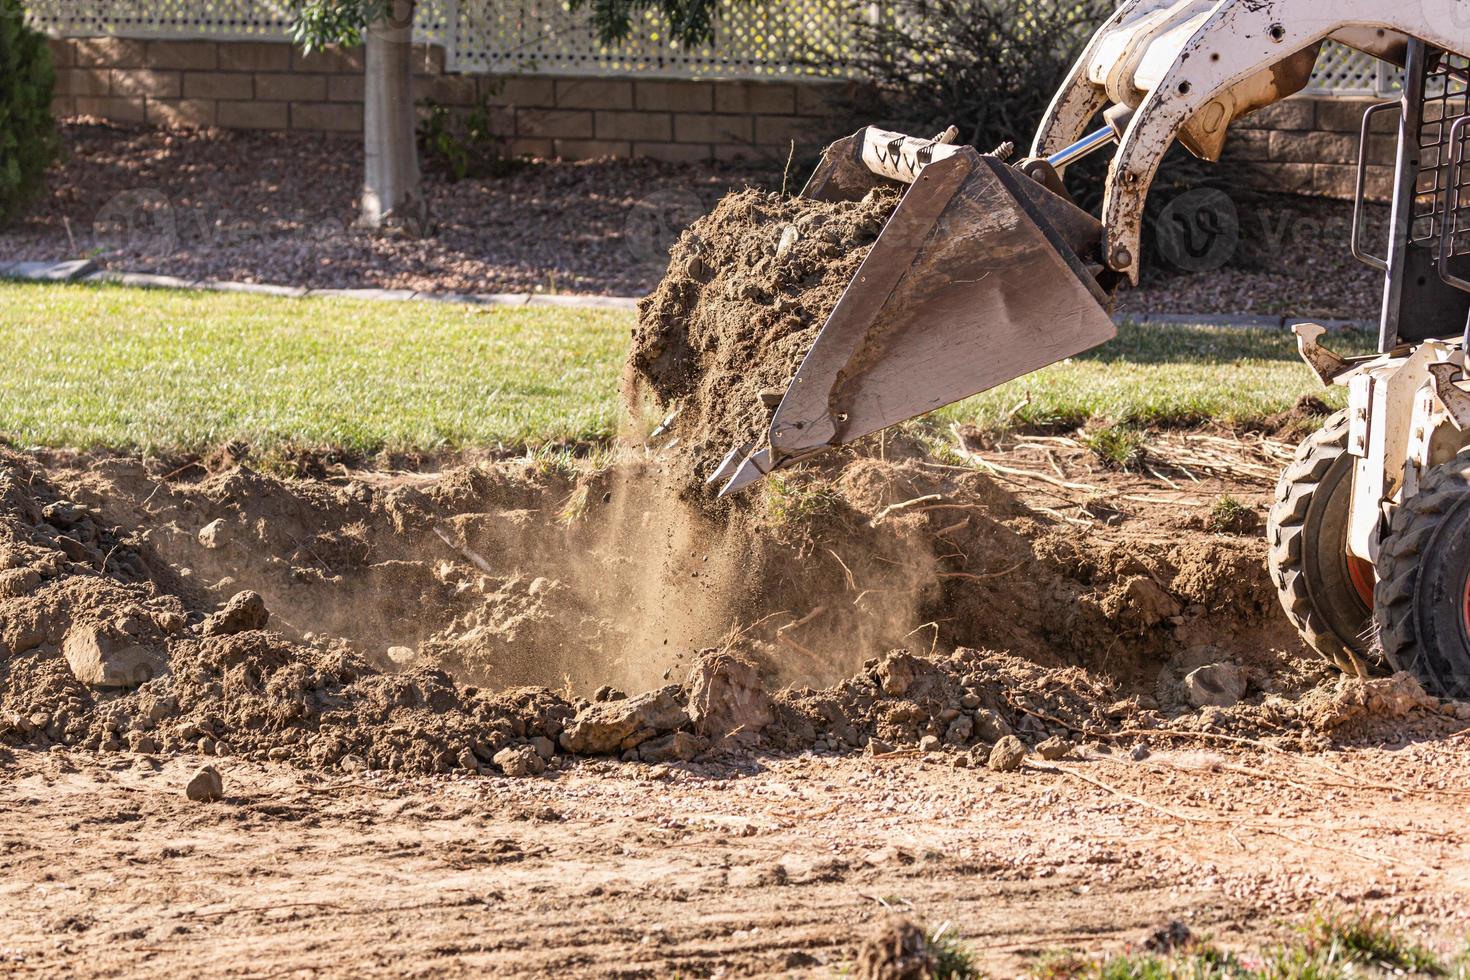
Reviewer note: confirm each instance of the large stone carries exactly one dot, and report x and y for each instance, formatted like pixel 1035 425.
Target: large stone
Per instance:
pixel 106 656
pixel 520 760
pixel 246 611
pixel 1215 685
pixel 601 729
pixel 214 534
pixel 726 697
pixel 1007 755
pixel 206 786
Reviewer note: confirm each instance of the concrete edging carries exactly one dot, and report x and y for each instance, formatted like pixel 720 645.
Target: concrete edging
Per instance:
pixel 83 271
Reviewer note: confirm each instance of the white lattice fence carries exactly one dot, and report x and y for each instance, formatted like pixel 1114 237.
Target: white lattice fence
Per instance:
pixel 779 38
pixel 774 39
pixel 782 38
pixel 1345 72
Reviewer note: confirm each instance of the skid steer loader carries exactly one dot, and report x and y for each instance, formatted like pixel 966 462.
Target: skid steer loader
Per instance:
pixel 987 271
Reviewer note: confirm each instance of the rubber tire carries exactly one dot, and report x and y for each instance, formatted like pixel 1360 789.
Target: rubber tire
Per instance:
pixel 1424 566
pixel 1307 535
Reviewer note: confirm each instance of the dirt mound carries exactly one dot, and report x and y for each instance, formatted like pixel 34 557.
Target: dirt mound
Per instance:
pixel 427 622
pixel 748 287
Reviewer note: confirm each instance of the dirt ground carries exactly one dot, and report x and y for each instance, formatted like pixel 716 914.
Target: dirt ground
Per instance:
pixel 759 857
pixel 774 867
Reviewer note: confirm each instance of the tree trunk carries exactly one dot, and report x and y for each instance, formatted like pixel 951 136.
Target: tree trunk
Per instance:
pixel 392 192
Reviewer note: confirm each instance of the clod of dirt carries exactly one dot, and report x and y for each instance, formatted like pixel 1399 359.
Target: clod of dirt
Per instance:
pixel 244 612
pixel 895 949
pixel 727 698
pixel 1054 749
pixel 1007 755
pixel 206 786
pixel 617 726
pixel 522 760
pixel 748 287
pixel 1220 685
pixel 113 654
pixel 678 747
pixel 1356 701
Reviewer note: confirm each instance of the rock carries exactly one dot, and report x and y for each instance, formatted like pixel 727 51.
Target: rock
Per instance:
pixel 678 747
pixel 520 760
pixel 1220 685
pixel 544 747
pixel 876 746
pixel 895 949
pixel 349 763
pixel 789 237
pixel 214 534
pixel 246 611
pixel 960 730
pixel 466 760
pixel 206 786
pixel 607 693
pixel 990 726
pixel 402 655
pixel 1007 755
pixel 106 656
pixel 600 729
pixel 898 671
pixel 1054 748
pixel 726 697
pixel 1139 752
pixel 143 744
pixel 930 743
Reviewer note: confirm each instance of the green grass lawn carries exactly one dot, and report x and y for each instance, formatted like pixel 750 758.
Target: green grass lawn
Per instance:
pixel 160 370
pixel 121 368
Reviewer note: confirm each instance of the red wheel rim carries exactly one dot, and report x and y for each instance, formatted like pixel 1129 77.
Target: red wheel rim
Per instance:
pixel 1360 571
pixel 1465 606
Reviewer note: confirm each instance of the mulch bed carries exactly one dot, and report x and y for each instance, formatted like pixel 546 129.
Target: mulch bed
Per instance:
pixel 278 207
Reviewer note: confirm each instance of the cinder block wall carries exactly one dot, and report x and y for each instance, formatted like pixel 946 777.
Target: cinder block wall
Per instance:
pixel 271 85
pixel 1310 146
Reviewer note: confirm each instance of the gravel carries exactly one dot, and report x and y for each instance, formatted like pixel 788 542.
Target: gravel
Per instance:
pixel 278 207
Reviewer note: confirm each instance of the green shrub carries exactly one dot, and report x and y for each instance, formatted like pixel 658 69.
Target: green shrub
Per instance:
pixel 27 131
pixel 987 66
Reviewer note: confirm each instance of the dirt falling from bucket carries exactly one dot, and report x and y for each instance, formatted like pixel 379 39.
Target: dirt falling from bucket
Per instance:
pixel 748 287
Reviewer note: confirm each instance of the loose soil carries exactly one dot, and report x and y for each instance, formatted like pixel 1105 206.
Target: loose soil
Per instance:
pixel 749 287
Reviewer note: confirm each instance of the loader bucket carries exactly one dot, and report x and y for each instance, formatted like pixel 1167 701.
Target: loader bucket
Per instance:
pixel 980 276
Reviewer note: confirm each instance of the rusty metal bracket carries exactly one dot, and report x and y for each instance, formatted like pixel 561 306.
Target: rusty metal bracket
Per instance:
pixel 1325 364
pixel 1456 401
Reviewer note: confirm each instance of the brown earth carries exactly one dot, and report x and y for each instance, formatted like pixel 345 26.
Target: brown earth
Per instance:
pixel 366 733
pixel 749 285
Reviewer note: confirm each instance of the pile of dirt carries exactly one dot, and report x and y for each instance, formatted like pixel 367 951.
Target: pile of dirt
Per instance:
pixel 480 618
pixel 748 287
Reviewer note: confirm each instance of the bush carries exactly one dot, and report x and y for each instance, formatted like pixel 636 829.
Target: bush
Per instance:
pixel 27 131
pixel 462 145
pixel 991 67
pixel 987 66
